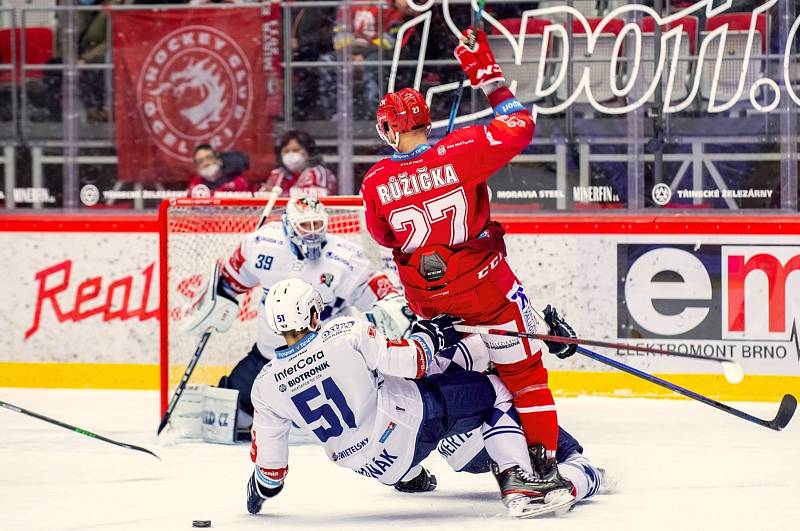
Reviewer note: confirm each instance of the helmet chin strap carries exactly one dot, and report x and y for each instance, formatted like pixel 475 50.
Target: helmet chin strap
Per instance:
pixel 385 137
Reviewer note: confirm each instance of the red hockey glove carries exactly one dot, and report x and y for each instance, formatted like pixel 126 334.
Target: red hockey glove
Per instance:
pixel 478 62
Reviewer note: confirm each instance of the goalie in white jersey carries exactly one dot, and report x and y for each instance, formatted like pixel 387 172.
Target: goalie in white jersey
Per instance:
pixel 298 246
pixel 360 395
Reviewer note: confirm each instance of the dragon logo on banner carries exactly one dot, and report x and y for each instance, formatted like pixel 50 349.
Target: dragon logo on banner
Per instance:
pixel 184 77
pixel 195 86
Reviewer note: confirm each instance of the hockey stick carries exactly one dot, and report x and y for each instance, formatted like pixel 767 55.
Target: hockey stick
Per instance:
pixel 176 396
pixel 782 418
pixel 184 380
pixel 75 428
pixel 733 371
pixel 451 121
pixel 273 197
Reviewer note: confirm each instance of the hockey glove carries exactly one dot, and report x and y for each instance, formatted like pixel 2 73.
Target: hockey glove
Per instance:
pixel 437 332
pixel 478 62
pixel 559 327
pixel 423 482
pixel 257 494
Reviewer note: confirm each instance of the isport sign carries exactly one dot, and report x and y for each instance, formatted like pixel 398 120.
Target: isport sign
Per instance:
pixel 544 44
pixel 711 292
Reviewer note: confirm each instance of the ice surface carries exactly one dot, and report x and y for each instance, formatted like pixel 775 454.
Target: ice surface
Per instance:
pixel 681 465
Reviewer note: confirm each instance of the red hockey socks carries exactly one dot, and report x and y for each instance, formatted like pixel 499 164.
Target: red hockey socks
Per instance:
pixel 527 381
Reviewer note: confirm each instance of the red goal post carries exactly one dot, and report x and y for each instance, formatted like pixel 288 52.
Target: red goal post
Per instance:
pixel 193 233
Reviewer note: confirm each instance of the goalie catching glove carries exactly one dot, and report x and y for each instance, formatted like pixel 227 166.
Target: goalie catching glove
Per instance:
pixel 216 309
pixel 478 61
pixel 559 327
pixel 392 317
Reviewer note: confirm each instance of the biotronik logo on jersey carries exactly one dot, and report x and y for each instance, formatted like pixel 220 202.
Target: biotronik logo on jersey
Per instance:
pixel 195 86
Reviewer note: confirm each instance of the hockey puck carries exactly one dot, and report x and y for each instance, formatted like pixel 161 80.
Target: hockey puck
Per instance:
pixel 201 523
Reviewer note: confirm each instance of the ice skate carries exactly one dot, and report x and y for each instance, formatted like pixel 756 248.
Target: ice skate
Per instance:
pixel 527 496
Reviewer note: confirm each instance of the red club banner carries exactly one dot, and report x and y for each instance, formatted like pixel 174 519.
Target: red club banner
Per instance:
pixel 188 77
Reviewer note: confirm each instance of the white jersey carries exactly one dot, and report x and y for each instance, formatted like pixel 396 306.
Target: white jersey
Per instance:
pixel 343 275
pixel 346 387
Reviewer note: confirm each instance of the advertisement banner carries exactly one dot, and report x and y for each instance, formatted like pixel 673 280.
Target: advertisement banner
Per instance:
pixel 87 303
pixel 79 297
pixel 189 77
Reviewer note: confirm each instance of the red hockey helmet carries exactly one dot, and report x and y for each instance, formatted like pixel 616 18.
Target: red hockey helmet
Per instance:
pixel 402 112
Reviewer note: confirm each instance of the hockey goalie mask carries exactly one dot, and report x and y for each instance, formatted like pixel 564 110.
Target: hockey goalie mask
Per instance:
pixel 306 225
pixel 288 306
pixel 402 112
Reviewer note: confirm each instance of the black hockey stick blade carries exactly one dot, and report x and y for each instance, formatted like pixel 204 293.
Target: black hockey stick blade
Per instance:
pixel 76 429
pixel 785 413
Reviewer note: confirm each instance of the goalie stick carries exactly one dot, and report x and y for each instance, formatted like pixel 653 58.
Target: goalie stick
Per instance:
pixel 184 380
pixel 18 409
pixel 176 396
pixel 785 410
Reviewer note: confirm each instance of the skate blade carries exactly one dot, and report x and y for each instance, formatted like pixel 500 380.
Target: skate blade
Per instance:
pixel 557 502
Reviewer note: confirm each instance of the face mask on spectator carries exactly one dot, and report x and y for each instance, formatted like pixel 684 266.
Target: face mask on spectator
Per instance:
pixel 210 171
pixel 294 161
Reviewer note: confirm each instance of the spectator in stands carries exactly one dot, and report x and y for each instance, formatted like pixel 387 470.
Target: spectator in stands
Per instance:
pixel 365 40
pixel 300 169
pixel 218 172
pixel 312 36
pixel 92 31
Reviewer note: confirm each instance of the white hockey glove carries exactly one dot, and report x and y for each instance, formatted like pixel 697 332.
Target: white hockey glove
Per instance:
pixel 216 309
pixel 392 317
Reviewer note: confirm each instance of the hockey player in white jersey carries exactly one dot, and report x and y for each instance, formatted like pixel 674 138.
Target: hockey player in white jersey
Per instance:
pixel 360 396
pixel 465 452
pixel 298 246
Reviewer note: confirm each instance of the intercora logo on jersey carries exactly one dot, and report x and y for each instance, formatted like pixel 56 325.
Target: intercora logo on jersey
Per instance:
pixel 303 370
pixel 726 292
pixel 195 86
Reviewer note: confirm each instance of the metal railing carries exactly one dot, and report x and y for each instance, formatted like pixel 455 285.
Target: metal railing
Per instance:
pixel 636 134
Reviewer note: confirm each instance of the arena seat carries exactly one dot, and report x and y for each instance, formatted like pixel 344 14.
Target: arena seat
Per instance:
pixel 683 69
pixel 599 71
pixel 38 50
pixel 524 73
pixel 735 45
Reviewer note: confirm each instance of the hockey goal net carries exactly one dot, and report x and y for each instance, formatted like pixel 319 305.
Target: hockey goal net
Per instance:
pixel 194 233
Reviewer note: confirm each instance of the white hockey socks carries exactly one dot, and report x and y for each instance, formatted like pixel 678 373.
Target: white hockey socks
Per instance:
pixel 502 434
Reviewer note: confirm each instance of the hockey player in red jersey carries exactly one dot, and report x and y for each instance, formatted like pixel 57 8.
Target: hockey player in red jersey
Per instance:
pixel 430 204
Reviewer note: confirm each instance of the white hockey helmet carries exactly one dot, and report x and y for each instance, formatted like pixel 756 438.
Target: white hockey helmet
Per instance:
pixel 289 303
pixel 306 225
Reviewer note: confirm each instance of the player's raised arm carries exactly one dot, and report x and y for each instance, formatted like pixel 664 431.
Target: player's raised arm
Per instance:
pixel 512 128
pixel 407 358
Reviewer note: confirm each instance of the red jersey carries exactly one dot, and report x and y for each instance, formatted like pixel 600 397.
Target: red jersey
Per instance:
pixel 438 195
